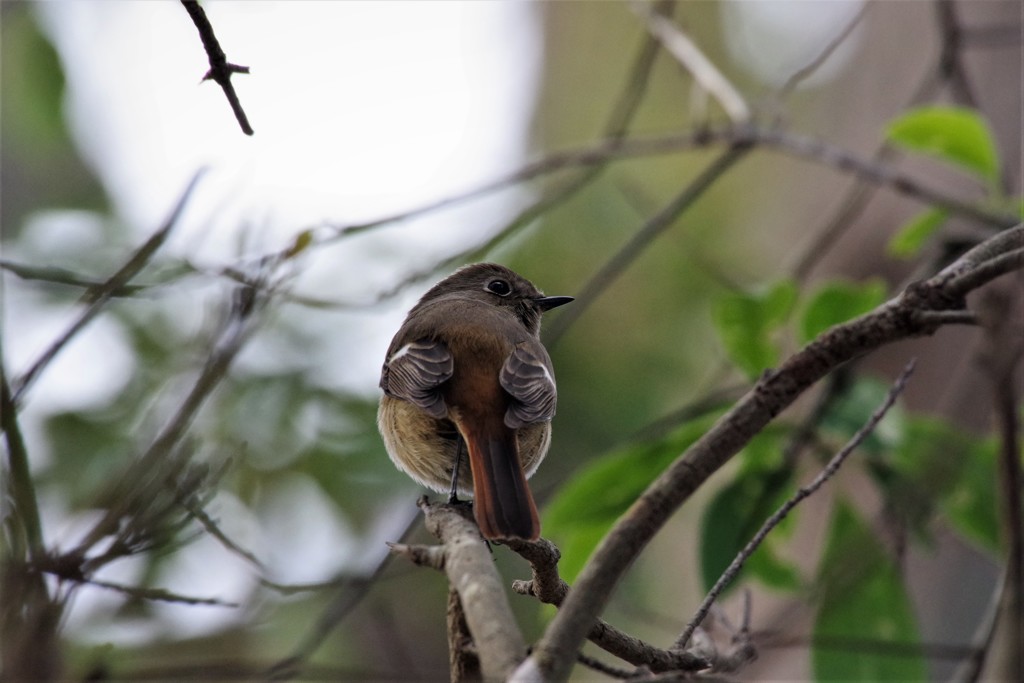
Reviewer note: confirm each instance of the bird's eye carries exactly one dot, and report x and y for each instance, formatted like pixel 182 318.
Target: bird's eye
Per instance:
pixel 499 287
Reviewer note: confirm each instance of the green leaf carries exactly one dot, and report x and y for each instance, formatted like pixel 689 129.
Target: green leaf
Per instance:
pixel 909 239
pixel 590 503
pixel 837 302
pixel 862 598
pixel 85 447
pixel 855 406
pixel 950 469
pixel 954 134
pixel 770 568
pixel 736 513
pixel 745 323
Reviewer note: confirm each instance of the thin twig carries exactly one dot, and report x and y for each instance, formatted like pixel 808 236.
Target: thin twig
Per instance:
pixel 703 70
pixel 609 150
pixel 595 664
pixel 615 147
pixel 221 70
pixel 805 71
pixel 62 276
pixel 991 269
pixel 951 67
pixel 1000 359
pixel 156 594
pixel 97 298
pixel 548 587
pixel 656 225
pixel 211 527
pixel 830 469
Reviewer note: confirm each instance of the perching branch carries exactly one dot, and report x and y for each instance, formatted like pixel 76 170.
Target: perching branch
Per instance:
pixel 555 653
pixel 467 562
pixel 221 70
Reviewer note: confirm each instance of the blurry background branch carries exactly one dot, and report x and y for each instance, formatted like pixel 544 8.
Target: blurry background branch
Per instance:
pixel 96 297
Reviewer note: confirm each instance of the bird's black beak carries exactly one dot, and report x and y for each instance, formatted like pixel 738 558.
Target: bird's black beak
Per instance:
pixel 546 303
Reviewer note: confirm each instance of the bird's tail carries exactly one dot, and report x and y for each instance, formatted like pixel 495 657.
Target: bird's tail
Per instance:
pixel 503 505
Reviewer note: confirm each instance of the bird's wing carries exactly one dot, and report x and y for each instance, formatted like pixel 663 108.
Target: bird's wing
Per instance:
pixel 415 371
pixel 528 377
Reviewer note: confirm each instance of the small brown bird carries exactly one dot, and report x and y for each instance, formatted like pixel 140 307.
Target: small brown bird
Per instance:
pixel 467 370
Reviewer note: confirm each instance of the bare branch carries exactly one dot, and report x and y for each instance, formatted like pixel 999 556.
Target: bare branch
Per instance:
pixel 470 569
pixel 158 462
pixel 156 594
pixel 830 469
pixel 1000 656
pixel 703 70
pixel 221 70
pixel 873 171
pixel 420 555
pixel 211 527
pixel 989 270
pixel 463 662
pixel 98 297
pixel 775 391
pixel 656 225
pixel 61 276
pixel 951 66
pixel 805 71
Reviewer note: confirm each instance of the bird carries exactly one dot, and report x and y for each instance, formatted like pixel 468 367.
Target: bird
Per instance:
pixel 467 371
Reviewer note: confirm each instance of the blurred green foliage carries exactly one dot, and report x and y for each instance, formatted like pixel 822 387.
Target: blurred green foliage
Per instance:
pixel 956 135
pixel 587 506
pixel 748 323
pixel 739 509
pixel 40 165
pixel 838 302
pixel 863 599
pixel 909 239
